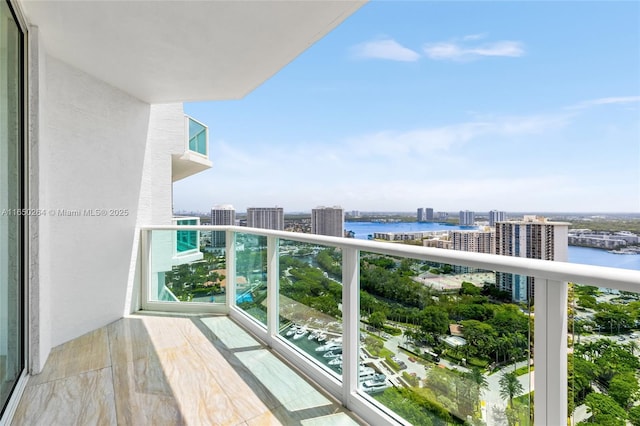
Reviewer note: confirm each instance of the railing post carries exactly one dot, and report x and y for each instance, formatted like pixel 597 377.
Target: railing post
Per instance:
pixel 230 239
pixel 272 287
pixel 350 319
pixel 550 352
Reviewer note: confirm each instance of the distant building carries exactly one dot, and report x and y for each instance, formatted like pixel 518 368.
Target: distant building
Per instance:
pixel 265 218
pixel 327 221
pixel 534 237
pixel 473 241
pixel 425 214
pixel 223 214
pixel 443 216
pixel 467 218
pixel 496 216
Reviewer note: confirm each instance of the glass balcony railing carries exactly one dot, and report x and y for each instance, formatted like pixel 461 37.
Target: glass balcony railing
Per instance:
pixel 198 137
pixel 405 334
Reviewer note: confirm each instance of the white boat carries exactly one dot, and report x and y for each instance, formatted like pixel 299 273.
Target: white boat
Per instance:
pixel 328 347
pixel 371 386
pixel 322 337
pixel 336 361
pixel 334 353
pixel 314 335
pixel 292 330
pixel 300 333
pixel 366 373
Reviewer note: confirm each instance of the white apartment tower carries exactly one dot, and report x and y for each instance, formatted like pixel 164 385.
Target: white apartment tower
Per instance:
pixel 223 214
pixel 467 218
pixel 474 241
pixel 265 218
pixel 496 216
pixel 534 237
pixel 327 221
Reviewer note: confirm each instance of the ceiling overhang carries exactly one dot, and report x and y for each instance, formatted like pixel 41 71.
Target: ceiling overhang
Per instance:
pixel 180 51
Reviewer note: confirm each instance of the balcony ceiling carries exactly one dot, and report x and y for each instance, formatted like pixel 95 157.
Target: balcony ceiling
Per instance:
pixel 178 51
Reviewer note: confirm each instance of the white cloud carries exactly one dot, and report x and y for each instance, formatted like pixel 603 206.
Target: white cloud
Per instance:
pixel 606 101
pixel 460 51
pixel 479 36
pixel 442 139
pixel 385 49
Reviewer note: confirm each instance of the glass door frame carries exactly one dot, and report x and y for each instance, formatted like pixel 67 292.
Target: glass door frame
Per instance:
pixel 7 411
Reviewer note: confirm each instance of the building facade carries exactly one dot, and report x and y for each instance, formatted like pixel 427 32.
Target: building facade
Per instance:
pixel 474 241
pixel 467 218
pixel 221 215
pixel 425 214
pixel 327 221
pixel 265 218
pixel 496 216
pixel 534 237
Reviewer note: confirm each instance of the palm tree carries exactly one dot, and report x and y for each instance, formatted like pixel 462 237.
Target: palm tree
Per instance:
pixel 478 380
pixel 510 387
pixel 632 346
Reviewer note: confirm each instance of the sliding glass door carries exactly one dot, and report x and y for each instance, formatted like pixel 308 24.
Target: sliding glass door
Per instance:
pixel 12 219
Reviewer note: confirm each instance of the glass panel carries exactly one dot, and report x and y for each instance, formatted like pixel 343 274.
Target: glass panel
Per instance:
pixel 187 240
pixel 11 220
pixel 603 362
pixel 185 276
pixel 311 302
pixel 197 137
pixel 251 275
pixel 448 345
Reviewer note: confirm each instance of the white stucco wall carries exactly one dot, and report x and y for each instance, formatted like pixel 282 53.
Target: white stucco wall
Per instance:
pixel 165 135
pixel 92 152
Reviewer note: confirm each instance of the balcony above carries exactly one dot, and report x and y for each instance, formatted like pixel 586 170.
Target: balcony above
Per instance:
pixel 195 157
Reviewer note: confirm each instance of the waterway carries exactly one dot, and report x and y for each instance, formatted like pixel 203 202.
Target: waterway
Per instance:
pixel 584 255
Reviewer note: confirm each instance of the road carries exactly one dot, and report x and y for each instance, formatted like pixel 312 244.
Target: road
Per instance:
pixel 492 403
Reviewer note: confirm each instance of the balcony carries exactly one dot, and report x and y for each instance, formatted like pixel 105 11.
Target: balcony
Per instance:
pixel 301 297
pixel 194 158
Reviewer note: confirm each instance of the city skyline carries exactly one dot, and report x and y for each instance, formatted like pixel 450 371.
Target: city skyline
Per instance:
pixel 407 104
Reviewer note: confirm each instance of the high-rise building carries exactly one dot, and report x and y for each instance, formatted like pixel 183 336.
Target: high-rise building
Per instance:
pixel 534 237
pixel 474 241
pixel 327 221
pixel 265 218
pixel 443 216
pixel 223 214
pixel 467 218
pixel 496 216
pixel 425 214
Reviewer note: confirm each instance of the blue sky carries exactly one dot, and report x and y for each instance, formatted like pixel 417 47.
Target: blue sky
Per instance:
pixel 515 106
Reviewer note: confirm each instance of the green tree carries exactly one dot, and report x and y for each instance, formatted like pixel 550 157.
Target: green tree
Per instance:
pixel 623 388
pixel 377 320
pixel 634 415
pixel 600 405
pixel 510 387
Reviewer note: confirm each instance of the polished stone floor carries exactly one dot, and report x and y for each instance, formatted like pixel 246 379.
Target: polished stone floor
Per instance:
pixel 167 370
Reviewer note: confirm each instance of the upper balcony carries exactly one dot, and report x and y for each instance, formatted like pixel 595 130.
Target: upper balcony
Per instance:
pixel 195 157
pixel 397 334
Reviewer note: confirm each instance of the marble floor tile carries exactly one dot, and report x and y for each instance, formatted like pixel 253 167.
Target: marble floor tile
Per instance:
pixel 202 400
pixel 338 419
pixel 86 353
pixel 291 390
pixel 246 393
pixel 83 399
pixel 232 335
pixel 169 370
pixel 266 419
pixel 144 395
